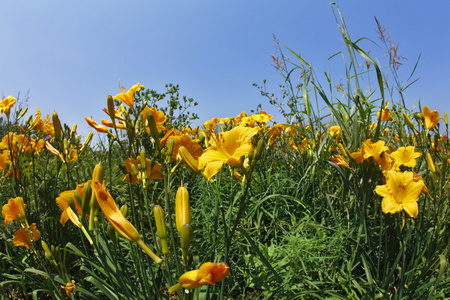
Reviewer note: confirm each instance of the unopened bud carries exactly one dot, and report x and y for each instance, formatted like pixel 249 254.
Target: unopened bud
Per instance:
pixel 86 142
pixel 170 150
pixel 185 239
pixel 161 228
pixel 182 208
pixel 134 169
pixel 430 163
pixel 23 112
pixel 71 203
pixel 409 122
pixel 153 128
pixel 57 126
pixel 124 210
pixel 112 233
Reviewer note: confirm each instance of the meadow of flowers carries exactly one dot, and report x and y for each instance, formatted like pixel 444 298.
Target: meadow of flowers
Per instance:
pixel 346 201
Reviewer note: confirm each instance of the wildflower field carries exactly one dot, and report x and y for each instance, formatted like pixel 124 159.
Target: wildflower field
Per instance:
pixel 347 198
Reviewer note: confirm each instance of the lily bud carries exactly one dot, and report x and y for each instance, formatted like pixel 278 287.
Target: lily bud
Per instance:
pixel 409 122
pixel 161 228
pixel 71 203
pixel 143 161
pixel 57 126
pixel 78 199
pixel 85 200
pixel 170 150
pixel 343 151
pixel 24 111
pixel 187 159
pixel 182 208
pixel 430 163
pixel 258 152
pixel 112 233
pixel 185 238
pixel 73 130
pixel 86 142
pixel 97 176
pixel 111 110
pixel 124 210
pixel 153 128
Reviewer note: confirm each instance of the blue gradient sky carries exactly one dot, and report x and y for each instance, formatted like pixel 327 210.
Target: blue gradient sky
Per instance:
pixel 70 55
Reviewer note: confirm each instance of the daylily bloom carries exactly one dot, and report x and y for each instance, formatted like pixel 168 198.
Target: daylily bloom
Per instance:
pixel 22 236
pixel 385 115
pixel 207 273
pixel 401 192
pixel 96 126
pixel 431 118
pixel 6 104
pixel 374 150
pixel 405 156
pixel 339 160
pixel 128 97
pixel 14 210
pixel 227 148
pixel 186 141
pixel 335 131
pixel 63 203
pixel 118 221
pixel 69 288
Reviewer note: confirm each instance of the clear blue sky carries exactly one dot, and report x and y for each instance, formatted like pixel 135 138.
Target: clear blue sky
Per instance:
pixel 70 55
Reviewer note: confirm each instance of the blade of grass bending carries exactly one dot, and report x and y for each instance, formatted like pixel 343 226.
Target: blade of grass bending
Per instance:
pixel 101 286
pixel 261 256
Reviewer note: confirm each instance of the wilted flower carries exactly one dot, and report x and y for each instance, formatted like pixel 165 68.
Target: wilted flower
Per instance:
pixel 69 288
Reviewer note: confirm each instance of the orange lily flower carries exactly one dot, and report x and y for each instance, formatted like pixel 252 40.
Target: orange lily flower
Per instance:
pixel 207 273
pixel 118 221
pixel 22 236
pixel 14 210
pixel 96 126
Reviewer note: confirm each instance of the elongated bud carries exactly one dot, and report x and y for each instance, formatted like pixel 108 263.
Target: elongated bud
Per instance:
pixel 182 208
pixel 170 150
pixel 143 160
pixel 343 151
pixel 134 169
pixel 111 109
pixel 86 142
pixel 161 228
pixel 258 152
pixel 444 167
pixel 71 203
pixel 153 128
pixel 85 200
pixel 124 210
pixel 188 160
pixel 446 119
pixel 73 130
pixel 78 199
pixel 66 145
pixel 185 239
pixel 430 163
pixel 57 126
pixel 97 176
pixel 409 122
pixel 112 233
pixel 23 112
pixel 432 178
pixel 47 251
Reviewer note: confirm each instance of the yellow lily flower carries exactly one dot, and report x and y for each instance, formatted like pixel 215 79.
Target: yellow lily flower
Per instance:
pixel 6 104
pixel 405 156
pixel 401 192
pixel 128 97
pixel 160 118
pixel 207 273
pixel 227 148
pixel 431 118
